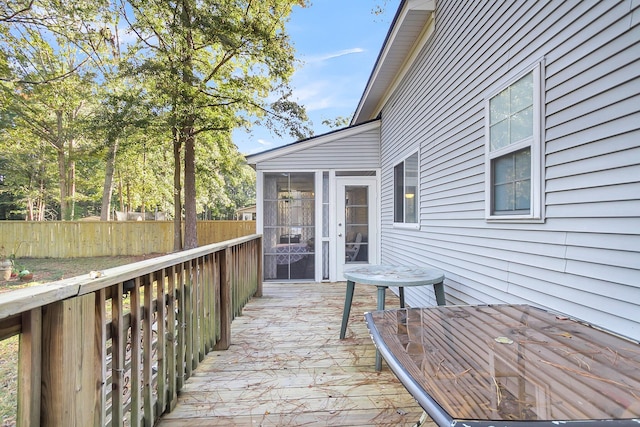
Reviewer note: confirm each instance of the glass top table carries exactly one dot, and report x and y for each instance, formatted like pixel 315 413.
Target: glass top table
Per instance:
pixel 510 365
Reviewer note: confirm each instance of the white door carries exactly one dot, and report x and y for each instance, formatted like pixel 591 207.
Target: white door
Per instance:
pixel 356 222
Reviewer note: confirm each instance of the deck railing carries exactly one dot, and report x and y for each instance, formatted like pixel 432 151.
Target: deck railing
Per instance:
pixel 115 347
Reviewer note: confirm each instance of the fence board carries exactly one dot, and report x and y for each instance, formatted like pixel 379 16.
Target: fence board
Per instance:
pixel 74 239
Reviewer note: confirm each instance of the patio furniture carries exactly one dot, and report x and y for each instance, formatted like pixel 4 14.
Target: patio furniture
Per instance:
pixel 509 365
pixel 384 276
pixel 291 260
pixel 353 248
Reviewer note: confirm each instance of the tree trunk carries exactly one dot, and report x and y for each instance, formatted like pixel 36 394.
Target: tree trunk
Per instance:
pixel 190 214
pixel 71 181
pixel 30 209
pixel 143 200
pixel 107 189
pixel 62 169
pixel 121 192
pixel 187 132
pixel 128 208
pixel 41 195
pixel 177 192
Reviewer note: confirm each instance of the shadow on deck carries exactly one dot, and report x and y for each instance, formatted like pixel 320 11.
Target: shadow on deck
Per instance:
pixel 287 367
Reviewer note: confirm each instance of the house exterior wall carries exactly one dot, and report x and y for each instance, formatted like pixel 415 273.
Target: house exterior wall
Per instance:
pixel 359 150
pixel 584 259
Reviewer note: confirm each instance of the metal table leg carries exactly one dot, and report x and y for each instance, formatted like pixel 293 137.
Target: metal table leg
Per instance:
pixel 438 288
pixel 381 297
pixel 347 308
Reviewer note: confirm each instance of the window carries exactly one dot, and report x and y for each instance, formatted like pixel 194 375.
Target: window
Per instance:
pixel 405 188
pixel 513 147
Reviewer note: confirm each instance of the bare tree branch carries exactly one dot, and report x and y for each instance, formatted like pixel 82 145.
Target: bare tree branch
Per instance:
pixel 9 18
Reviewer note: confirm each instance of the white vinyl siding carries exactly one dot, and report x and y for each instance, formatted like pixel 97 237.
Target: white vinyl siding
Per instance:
pixel 584 258
pixel 360 151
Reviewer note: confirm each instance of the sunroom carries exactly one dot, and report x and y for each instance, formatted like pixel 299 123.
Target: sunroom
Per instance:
pixel 317 204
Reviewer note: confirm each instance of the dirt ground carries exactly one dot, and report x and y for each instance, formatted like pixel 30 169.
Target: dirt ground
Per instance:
pixel 51 269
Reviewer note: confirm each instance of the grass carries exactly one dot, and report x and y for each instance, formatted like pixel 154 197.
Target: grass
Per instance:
pixel 44 271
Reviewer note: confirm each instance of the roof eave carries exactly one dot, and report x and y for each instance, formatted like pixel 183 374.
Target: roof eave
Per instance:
pixel 407 29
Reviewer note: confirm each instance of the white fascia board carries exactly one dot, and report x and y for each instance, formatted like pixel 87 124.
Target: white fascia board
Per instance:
pixel 428 5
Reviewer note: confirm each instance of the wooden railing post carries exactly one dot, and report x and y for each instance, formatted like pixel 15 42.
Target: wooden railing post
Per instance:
pixel 226 302
pixel 68 355
pixel 258 258
pixel 29 368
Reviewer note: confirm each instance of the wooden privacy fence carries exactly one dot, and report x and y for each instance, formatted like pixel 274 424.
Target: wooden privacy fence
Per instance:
pixel 116 349
pixel 73 239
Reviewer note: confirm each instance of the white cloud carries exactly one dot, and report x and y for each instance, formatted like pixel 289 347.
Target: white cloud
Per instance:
pixel 327 56
pixel 265 143
pixel 321 94
pixel 247 152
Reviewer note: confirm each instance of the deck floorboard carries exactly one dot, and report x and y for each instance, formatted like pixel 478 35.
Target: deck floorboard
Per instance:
pixel 287 367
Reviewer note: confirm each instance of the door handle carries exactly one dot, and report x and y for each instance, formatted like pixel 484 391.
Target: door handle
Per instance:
pixel 340 235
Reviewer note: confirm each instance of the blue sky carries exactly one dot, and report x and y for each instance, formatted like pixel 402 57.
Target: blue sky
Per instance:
pixel 338 42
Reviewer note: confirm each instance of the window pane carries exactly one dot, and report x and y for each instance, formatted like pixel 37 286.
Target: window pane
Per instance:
pixel 410 189
pixel 523 164
pixel 503 170
pixel 523 195
pixel 511 176
pixel 499 134
pixel 398 189
pixel 325 204
pixel 503 197
pixel 356 223
pixel 522 94
pixel 521 125
pixel 511 114
pixel 523 179
pixel 499 107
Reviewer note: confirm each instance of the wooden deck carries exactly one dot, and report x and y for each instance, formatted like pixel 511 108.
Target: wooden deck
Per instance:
pixel 287 367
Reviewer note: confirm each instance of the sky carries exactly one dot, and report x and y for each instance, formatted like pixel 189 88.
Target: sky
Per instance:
pixel 338 42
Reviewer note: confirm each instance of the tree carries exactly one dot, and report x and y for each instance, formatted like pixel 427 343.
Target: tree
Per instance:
pixel 225 181
pixel 50 111
pixel 73 96
pixel 210 61
pixel 337 123
pixel 45 44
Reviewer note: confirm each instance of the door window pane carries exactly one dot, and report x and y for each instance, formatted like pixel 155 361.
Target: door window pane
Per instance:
pixel 356 224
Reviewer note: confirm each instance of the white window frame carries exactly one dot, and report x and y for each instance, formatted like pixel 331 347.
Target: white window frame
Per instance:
pixel 535 143
pixel 404 224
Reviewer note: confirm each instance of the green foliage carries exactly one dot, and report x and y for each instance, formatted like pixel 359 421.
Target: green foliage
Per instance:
pixel 82 108
pixel 337 122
